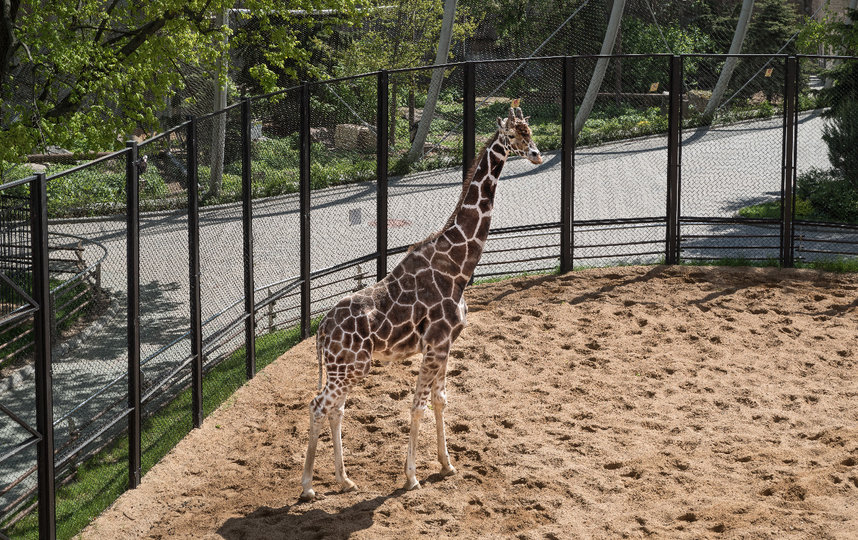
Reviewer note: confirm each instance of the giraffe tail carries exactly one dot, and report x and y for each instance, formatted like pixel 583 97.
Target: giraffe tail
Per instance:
pixel 319 359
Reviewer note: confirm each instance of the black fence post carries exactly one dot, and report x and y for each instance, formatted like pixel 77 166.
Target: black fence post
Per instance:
pixel 247 231
pixel 674 133
pixel 132 190
pixel 567 164
pixel 42 346
pixel 304 202
pixel 381 157
pixel 469 142
pixel 787 256
pixel 195 277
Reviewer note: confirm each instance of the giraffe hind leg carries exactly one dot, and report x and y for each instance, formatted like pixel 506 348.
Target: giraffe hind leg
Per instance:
pixel 439 403
pixel 336 419
pixel 316 417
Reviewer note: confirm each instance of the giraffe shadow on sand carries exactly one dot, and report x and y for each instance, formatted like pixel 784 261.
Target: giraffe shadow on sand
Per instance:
pixel 302 520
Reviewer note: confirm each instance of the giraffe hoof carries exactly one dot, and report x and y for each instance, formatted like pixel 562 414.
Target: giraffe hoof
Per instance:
pixel 411 485
pixel 307 496
pixel 347 486
pixel 448 470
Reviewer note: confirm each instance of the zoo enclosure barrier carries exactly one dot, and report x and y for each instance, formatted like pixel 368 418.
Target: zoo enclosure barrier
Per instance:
pixel 219 316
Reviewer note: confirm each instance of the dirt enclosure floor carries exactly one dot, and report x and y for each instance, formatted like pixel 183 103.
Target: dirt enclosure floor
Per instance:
pixel 673 402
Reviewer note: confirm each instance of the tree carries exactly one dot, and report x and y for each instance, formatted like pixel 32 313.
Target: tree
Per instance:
pixel 402 34
pixel 836 190
pixel 82 74
pixel 730 63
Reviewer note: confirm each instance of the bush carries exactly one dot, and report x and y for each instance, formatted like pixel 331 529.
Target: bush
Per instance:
pixel 831 196
pixel 841 136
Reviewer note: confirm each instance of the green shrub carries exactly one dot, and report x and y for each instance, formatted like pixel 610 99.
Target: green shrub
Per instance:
pixel 831 195
pixel 841 136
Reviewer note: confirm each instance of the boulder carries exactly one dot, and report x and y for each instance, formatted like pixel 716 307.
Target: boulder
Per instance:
pixel 353 137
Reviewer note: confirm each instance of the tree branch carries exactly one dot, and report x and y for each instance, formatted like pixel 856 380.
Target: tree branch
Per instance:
pixel 103 25
pixel 8 41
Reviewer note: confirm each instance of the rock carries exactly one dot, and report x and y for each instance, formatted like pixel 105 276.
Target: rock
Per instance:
pixel 56 150
pixel 36 167
pixel 353 137
pixel 699 98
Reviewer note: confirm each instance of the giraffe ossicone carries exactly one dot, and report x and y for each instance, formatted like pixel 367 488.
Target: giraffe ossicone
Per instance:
pixel 419 307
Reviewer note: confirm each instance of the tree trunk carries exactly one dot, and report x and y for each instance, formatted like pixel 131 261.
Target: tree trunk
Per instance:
pixel 441 55
pixel 411 121
pixel 618 67
pixel 601 65
pixel 219 121
pixel 392 112
pixel 730 63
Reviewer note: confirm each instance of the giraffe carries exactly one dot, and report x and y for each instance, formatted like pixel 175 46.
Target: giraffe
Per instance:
pixel 418 307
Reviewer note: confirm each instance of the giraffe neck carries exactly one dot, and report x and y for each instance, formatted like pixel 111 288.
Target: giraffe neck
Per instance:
pixel 470 224
pixel 474 214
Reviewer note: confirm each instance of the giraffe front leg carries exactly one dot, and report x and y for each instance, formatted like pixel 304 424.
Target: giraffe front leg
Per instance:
pixel 439 403
pixel 336 419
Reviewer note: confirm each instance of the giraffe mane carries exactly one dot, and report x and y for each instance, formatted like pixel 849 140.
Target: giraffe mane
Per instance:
pixel 469 178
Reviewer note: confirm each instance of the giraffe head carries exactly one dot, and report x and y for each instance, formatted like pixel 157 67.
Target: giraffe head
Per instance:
pixel 519 137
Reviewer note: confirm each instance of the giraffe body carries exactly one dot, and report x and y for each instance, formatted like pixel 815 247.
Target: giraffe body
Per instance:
pixel 419 307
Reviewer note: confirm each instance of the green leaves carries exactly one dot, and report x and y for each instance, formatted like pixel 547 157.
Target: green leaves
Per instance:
pixel 89 72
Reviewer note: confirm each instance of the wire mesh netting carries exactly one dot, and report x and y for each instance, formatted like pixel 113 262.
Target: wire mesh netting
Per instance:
pixel 17 405
pixel 732 168
pixel 420 201
pixel 164 297
pixel 343 218
pixel 275 150
pixel 221 244
pixel 88 240
pixel 826 191
pixel 17 457
pixel 538 85
pixel 621 161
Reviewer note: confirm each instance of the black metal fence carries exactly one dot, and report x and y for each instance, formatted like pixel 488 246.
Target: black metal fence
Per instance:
pixel 311 186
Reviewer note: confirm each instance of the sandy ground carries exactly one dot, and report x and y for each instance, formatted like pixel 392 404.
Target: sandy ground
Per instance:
pixel 623 402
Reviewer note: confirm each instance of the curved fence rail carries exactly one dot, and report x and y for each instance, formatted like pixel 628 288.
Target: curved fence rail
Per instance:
pixel 252 221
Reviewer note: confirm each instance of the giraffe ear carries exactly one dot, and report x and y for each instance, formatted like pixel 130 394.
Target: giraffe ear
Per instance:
pixel 500 123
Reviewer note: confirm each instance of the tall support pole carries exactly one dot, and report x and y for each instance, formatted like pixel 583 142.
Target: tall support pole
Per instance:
pixel 567 164
pixel 731 61
pixel 195 276
pixel 132 190
pixel 601 65
pixel 304 203
pixel 381 156
pixel 42 345
pixel 247 238
pixel 469 142
pixel 789 154
pixel 673 147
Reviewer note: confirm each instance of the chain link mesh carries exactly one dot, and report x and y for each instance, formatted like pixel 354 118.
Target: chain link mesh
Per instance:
pixel 275 122
pixel 826 192
pixel 164 297
pixel 732 168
